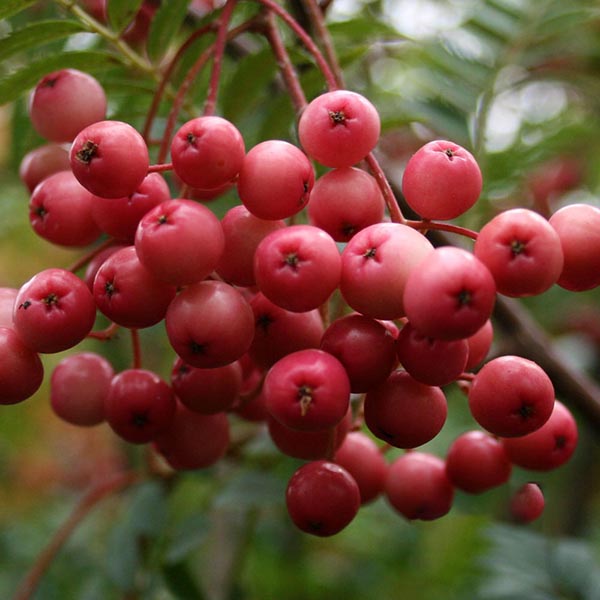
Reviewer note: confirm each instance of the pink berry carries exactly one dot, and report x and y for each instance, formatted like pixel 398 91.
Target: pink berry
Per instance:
pixel 339 128
pixel 442 180
pixel 418 488
pixel 207 152
pixel 41 162
pixel 527 503
pixel 109 158
pixel 64 102
pixel 511 396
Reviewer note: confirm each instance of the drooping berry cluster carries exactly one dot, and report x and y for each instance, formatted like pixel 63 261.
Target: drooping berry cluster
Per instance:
pixel 307 307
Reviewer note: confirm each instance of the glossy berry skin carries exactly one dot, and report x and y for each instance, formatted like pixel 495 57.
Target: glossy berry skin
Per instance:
pixel 344 201
pixel 308 445
pixel 180 241
pixel 450 294
pixel 21 370
pixel 97 261
pixel 476 462
pixel 361 457
pixel 307 390
pixel 511 396
pixel 578 227
pixel 7 304
pixel 339 128
pixel 428 360
pixel 109 158
pixel 365 348
pixel 522 252
pixel 550 446
pixel 322 498
pixel 53 311
pixel 64 102
pixel 442 180
pixel 404 412
pixel 275 180
pixel 243 233
pixel 373 278
pixel 119 217
pixel 193 441
pixel 207 391
pixel 278 332
pixel 41 162
pixel 207 152
pixel 210 324
pixel 527 503
pixel 60 211
pixel 418 488
pixel 128 293
pixel 297 267
pixel 139 405
pixel 79 387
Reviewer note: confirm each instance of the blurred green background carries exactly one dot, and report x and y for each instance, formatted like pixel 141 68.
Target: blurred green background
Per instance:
pixel 515 81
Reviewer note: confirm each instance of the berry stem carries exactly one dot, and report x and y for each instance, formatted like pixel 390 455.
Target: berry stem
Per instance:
pixel 93 496
pixel 288 72
pixel 388 194
pixel 427 225
pixel 105 334
pixel 306 40
pixel 219 50
pixel 136 348
pixel 86 258
pixel 160 168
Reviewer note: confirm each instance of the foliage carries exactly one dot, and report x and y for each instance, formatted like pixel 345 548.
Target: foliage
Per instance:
pixel 517 81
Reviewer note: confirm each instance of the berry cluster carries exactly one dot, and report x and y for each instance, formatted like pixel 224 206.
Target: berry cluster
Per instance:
pixel 313 307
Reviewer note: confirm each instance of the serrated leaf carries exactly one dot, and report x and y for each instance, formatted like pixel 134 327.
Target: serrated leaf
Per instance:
pixel 8 8
pixel 165 24
pixel 36 34
pixel 122 12
pixel 180 582
pixel 22 80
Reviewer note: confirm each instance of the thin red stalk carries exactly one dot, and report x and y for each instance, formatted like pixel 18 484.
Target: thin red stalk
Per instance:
pixel 136 349
pixel 317 18
pixel 219 51
pixel 425 224
pixel 160 168
pixel 167 75
pixel 306 41
pixel 84 506
pixel 105 334
pixel 185 85
pixel 288 72
pixel 86 258
pixel 384 185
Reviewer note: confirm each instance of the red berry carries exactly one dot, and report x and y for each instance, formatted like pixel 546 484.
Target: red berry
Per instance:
pixel 339 128
pixel 322 498
pixel 527 503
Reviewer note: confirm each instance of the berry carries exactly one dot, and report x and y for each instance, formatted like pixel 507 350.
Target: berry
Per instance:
pixel 442 180
pixel 418 488
pixel 527 503
pixel 41 162
pixel 322 498
pixel 109 158
pixel 307 390
pixel 207 152
pixel 64 102
pixel 511 396
pixel 339 128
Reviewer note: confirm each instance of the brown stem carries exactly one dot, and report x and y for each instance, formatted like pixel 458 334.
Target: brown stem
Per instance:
pixel 219 51
pixel 288 72
pixel 317 19
pixel 384 185
pixel 306 40
pixel 94 495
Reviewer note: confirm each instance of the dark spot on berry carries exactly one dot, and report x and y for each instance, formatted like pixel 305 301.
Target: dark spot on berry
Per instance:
pixel 337 117
pixel 464 298
pixel 348 230
pixel 162 219
pixel 191 139
pixel 449 153
pixel 50 300
pixel 109 288
pixel 25 305
pixel 292 260
pixel 140 419
pixel 526 411
pixel 517 247
pixel 40 211
pixel 88 151
pixel 50 82
pixel 560 441
pixel 305 397
pixel 370 253
pixel 264 321
pixel 197 348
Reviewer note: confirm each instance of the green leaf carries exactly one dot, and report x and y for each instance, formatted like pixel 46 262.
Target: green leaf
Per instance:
pixel 123 557
pixel 8 8
pixel 122 12
pixel 147 510
pixel 165 24
pixel 36 34
pixel 251 489
pixel 189 535
pixel 22 80
pixel 180 582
